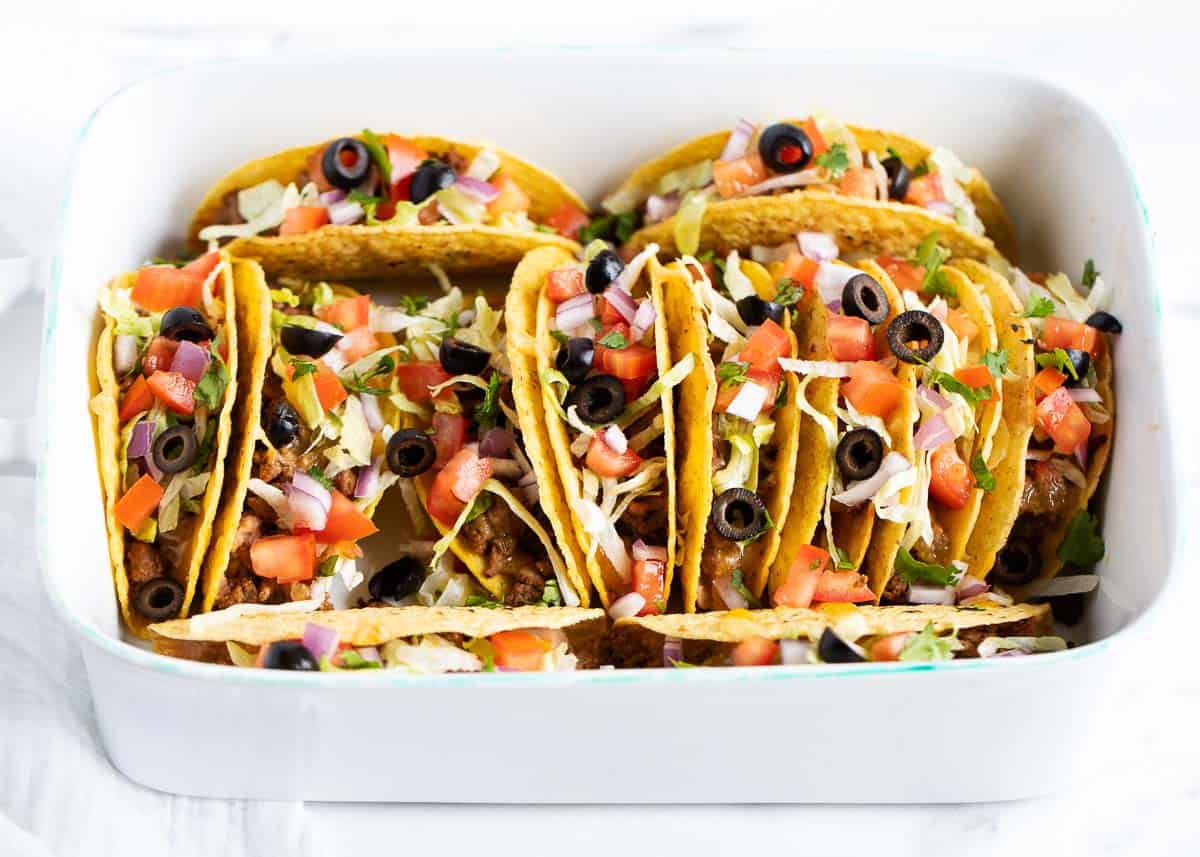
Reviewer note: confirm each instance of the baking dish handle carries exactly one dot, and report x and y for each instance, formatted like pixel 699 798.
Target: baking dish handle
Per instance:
pixel 18 277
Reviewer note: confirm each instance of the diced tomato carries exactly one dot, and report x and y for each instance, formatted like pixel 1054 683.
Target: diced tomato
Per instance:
pixel 872 389
pixel 347 313
pixel 138 398
pixel 961 324
pixel 843 587
pixel 136 504
pixel 285 558
pixel 415 379
pixel 202 266
pixel 159 355
pixel 404 156
pixel 457 484
pixel 346 522
pixel 859 182
pixel 604 461
pixel 522 651
pixel 565 283
pixel 357 344
pixel 1048 380
pixel 977 375
pixel 819 144
pixel 511 198
pixel 800 269
pixel 1064 333
pixel 1062 419
pixel 449 435
pixel 608 313
pixel 755 652
pixel 634 387
pixel 631 363
pixel 888 648
pixel 726 393
pixel 925 189
pixel 648 576
pixel 159 288
pixel 303 218
pixel 567 220
pixel 174 391
pixel 850 338
pixel 800 585
pixel 766 345
pixel 908 276
pixel 950 480
pixel 734 177
pixel 330 391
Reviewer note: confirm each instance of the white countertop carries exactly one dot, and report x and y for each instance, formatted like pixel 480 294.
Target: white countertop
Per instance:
pixel 59 795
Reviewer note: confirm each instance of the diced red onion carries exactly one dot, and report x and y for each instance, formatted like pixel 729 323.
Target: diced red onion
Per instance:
pixel 371 412
pixel 970 586
pixel 621 301
pixel 643 319
pixel 575 312
pixel 794 652
pixel 939 206
pixel 616 440
pixel 831 279
pixel 496 443
pixel 332 196
pixel 139 439
pixel 368 479
pixel 633 269
pixel 305 483
pixel 124 353
pixel 477 189
pixel 934 432
pixel 787 180
pixel 923 593
pixel 672 651
pixel 345 212
pixel 932 398
pixel 190 360
pixel 626 606
pixel 739 140
pixel 642 551
pixel 732 598
pixel 305 510
pixel 765 255
pixel 321 640
pixel 818 246
pixel 659 208
pixel 863 490
pixel 1072 584
pixel 834 306
pixel 1084 394
pixel 748 401
pixel 1081 454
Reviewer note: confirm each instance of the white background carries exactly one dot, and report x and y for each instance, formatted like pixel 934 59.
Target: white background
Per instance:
pixel 1139 790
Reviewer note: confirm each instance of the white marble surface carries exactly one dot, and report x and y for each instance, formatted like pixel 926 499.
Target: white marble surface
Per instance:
pixel 1138 791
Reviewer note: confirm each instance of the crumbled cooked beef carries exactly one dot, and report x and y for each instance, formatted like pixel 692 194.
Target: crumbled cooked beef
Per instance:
pixel 142 562
pixel 455 160
pixel 496 536
pixel 896 590
pixel 1046 492
pixel 633 646
pixel 937 553
pixel 972 637
pixel 646 518
pixel 719 557
pixel 345 482
pixel 528 583
pixel 281 464
pixel 173 547
pixel 228 214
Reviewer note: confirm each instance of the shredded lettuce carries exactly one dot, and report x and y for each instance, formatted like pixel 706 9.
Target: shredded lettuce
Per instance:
pixel 430 656
pixel 669 381
pixel 117 304
pixel 684 179
pixel 741 471
pixel 460 207
pixel 928 646
pixel 484 329
pixel 1059 285
pixel 736 281
pixel 724 321
pixel 688 219
pixel 262 207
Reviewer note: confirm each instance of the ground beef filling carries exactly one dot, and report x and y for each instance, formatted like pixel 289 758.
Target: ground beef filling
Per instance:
pixel 508 548
pixel 718 559
pixel 1046 493
pixel 229 215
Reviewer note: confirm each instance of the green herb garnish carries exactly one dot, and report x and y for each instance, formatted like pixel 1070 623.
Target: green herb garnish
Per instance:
pixel 891 150
pixel 920 169
pixel 1089 274
pixel 352 660
pixel 300 368
pixel 930 256
pixel 983 477
pixel 843 560
pixel 358 384
pixel 482 601
pixel 551 597
pixel 739 586
pixel 1083 546
pixel 614 339
pixel 836 160
pixel 379 154
pixel 328 566
pixel 211 386
pixel 787 293
pixel 1040 308
pixel 1060 360
pixel 731 373
pixel 973 395
pixel 996 362
pixel 912 570
pixel 559 337
pixel 618 228
pixel 487 412
pixel 413 304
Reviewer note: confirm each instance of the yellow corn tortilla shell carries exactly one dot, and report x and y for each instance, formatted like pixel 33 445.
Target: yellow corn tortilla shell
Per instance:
pixel 889 227
pixel 357 252
pixel 105 406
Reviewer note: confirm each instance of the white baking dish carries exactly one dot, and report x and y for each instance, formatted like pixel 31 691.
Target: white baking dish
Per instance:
pixel 861 733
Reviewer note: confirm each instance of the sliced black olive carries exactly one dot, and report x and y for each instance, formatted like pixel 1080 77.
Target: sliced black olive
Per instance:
pixel 738 514
pixel 398 579
pixel 754 310
pixel 1104 321
pixel 174 449
pixel 599 399
pixel 1081 361
pixel 1016 563
pixel 864 298
pixel 289 655
pixel 832 649
pixel 462 358
pixel 1067 609
pixel 859 454
pixel 281 423
pixel 604 268
pixel 159 599
pixel 918 328
pixel 185 323
pixel 306 341
pixel 429 178
pixel 898 177
pixel 785 148
pixel 345 163
pixel 575 358
pixel 410 452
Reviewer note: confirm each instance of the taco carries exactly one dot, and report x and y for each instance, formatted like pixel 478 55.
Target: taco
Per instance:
pixel 421 640
pixel 474 461
pixel 166 369
pixel 369 205
pixel 762 184
pixel 737 423
pixel 313 423
pixel 800 636
pixel 603 388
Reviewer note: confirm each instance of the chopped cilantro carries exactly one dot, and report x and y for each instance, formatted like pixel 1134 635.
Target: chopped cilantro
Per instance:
pixel 1083 546
pixel 1039 308
pixel 996 362
pixel 413 304
pixel 983 477
pixel 482 601
pixel 912 570
pixel 1060 360
pixel 328 566
pixel 835 160
pixel 1089 274
pixel 595 323
pixel 617 228
pixel 487 412
pixel 211 387
pixel 614 339
pixel 973 395
pixel 769 524
pixel 559 337
pixel 891 150
pixel 300 368
pixel 843 560
pixel 449 325
pixel 551 597
pixel 920 169
pixel 930 255
pixel 319 475
pixel 358 384
pixel 731 373
pixel 379 154
pixel 739 586
pixel 788 293
pixel 363 199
